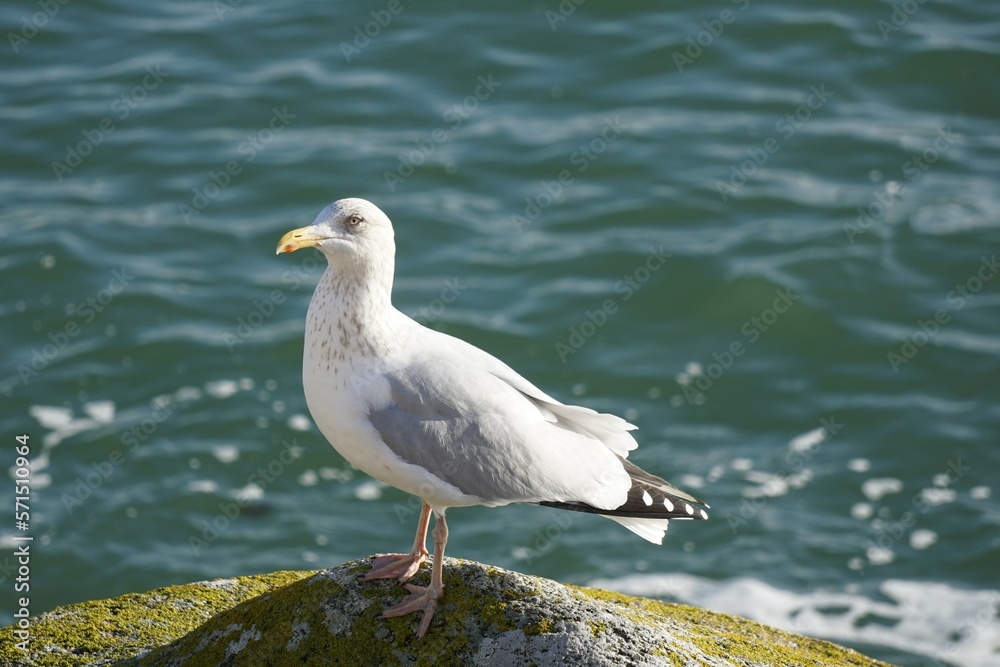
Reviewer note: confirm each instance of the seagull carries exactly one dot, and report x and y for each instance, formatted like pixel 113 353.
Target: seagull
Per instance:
pixel 443 420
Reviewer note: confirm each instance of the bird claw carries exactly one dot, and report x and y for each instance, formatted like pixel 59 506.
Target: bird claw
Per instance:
pixel 421 598
pixel 395 566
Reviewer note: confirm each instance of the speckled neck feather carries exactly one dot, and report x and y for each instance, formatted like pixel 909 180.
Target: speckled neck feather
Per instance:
pixel 351 312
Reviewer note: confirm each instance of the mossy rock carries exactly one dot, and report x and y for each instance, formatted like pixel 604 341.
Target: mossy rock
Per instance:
pixel 488 616
pixel 103 632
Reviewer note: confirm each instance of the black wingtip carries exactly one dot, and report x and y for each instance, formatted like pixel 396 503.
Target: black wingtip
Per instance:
pixel 650 497
pixel 637 508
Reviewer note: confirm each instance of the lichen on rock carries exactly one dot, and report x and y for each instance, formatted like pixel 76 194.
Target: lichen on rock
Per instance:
pixel 488 616
pixel 102 632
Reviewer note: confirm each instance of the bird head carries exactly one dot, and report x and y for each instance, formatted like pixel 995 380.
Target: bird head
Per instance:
pixel 350 232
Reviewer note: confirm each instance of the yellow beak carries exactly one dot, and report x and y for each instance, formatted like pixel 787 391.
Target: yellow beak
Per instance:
pixel 303 237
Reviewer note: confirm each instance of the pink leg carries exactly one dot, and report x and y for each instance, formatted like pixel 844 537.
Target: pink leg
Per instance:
pixel 421 598
pixel 403 566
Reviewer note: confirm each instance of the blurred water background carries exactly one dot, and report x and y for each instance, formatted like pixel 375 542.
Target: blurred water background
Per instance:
pixel 764 233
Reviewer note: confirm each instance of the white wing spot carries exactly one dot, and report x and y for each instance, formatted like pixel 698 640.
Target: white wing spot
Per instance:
pixel 704 514
pixel 669 505
pixel 688 509
pixel 646 498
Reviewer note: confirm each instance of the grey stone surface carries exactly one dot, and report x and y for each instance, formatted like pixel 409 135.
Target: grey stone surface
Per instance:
pixel 488 616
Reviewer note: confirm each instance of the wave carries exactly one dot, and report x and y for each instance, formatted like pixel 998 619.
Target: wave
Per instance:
pixel 952 625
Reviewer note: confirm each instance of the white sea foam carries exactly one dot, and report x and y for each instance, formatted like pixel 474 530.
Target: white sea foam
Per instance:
pixel 937 496
pixel 772 485
pixel 336 474
pixel 877 487
pixel 299 422
pixel 61 423
pixel 50 416
pixel 741 463
pixel 957 626
pixel 921 538
pixel 979 492
pixel 102 412
pixel 859 465
pixel 226 453
pixel 187 394
pixel 202 486
pixel 222 388
pixel 691 481
pixel 879 555
pixel 807 441
pixel 249 493
pixel 40 480
pixel 368 490
pixel 862 511
pixel 715 473
pixel 942 479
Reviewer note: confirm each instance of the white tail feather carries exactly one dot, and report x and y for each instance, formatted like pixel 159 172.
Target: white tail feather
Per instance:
pixel 648 529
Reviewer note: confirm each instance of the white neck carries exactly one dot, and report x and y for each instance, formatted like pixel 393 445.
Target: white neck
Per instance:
pixel 352 313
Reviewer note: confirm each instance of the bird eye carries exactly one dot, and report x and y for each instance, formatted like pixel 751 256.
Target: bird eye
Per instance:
pixel 355 220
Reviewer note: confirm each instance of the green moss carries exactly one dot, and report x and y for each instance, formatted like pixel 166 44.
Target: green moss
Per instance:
pixel 597 627
pixel 542 627
pixel 120 627
pixel 334 618
pixel 464 601
pixel 675 659
pixel 369 639
pixel 629 606
pixel 721 636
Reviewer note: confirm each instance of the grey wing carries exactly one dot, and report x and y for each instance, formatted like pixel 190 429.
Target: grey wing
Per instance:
pixel 611 430
pixel 474 431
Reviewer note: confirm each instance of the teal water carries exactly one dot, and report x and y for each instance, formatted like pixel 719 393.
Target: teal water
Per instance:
pixel 765 234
